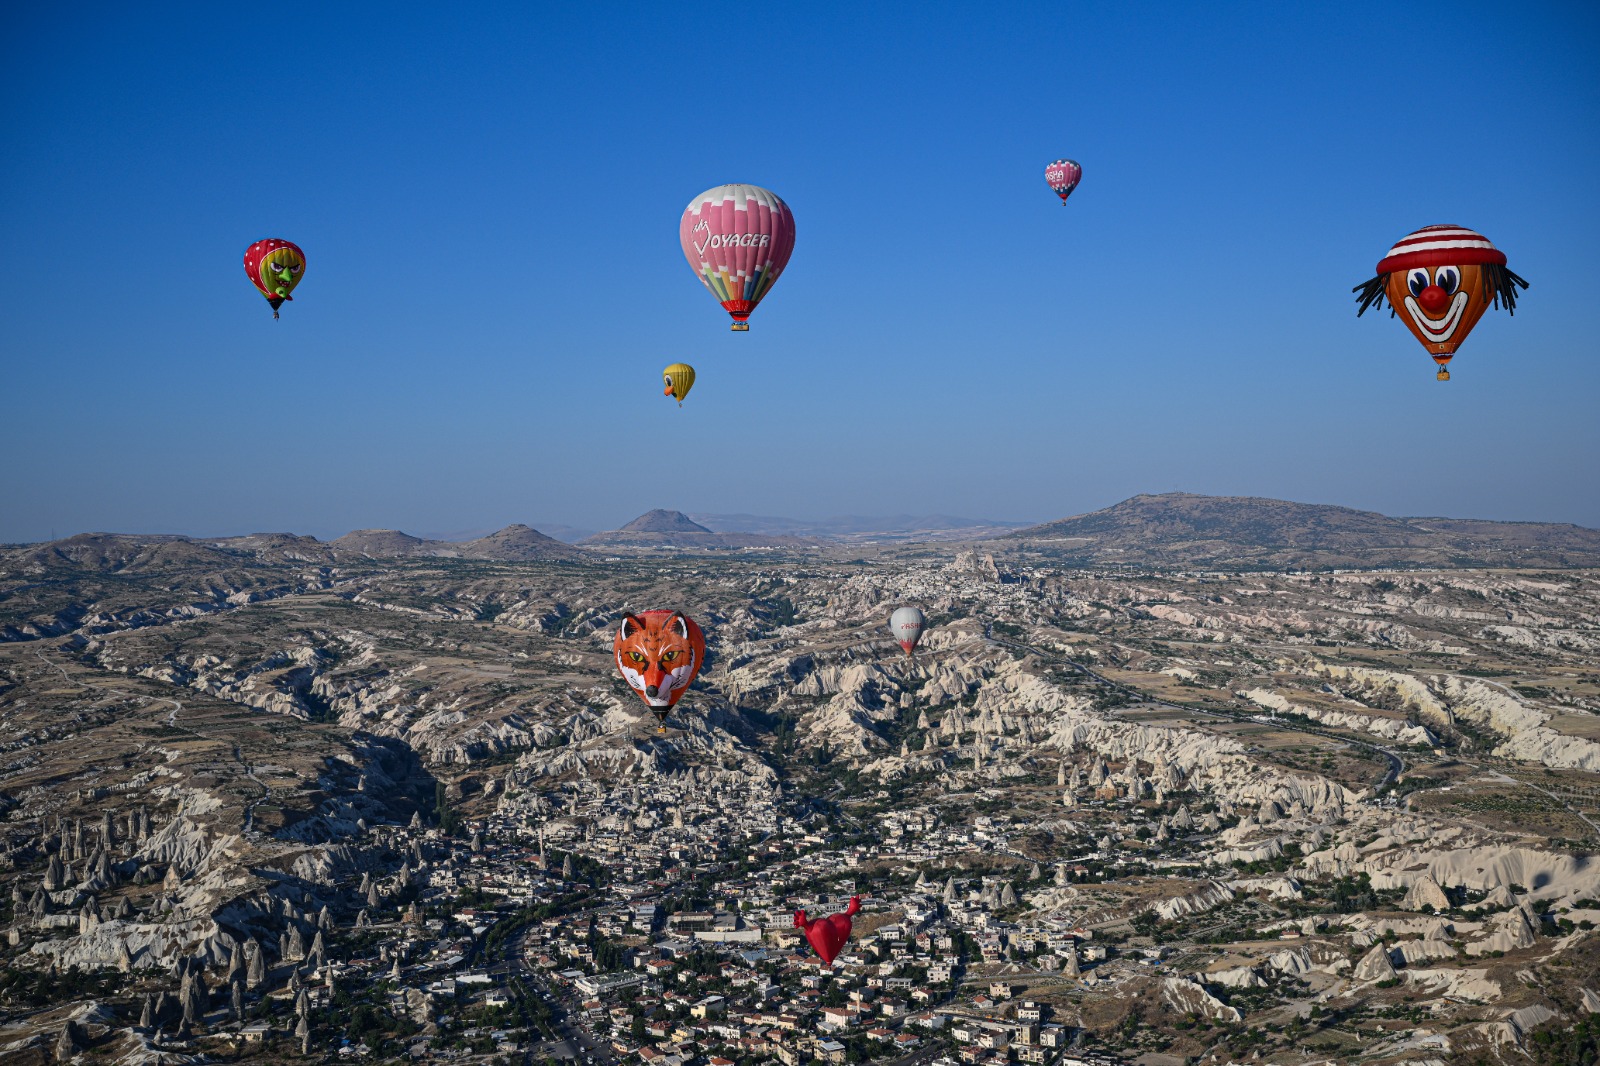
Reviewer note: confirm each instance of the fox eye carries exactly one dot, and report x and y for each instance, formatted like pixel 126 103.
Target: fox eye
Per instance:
pixel 636 657
pixel 1448 279
pixel 669 656
pixel 1417 280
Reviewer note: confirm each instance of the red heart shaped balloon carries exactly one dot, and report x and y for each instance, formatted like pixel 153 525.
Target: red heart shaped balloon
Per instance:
pixel 828 935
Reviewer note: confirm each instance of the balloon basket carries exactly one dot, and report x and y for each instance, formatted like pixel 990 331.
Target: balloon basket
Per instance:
pixel 1443 375
pixel 740 327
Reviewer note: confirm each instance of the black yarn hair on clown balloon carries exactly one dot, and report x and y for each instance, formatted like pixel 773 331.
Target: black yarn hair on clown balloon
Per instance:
pixel 1499 287
pixel 1371 292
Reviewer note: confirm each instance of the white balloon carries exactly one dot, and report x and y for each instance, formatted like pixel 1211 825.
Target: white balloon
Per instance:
pixel 907 624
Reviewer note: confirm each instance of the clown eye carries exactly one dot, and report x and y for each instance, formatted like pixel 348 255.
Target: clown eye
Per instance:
pixel 636 657
pixel 1448 279
pixel 1417 280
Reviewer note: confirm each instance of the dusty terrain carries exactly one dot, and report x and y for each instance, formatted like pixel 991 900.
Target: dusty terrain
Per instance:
pixel 1349 813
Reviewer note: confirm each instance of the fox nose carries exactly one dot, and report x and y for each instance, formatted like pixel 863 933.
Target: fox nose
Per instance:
pixel 1433 300
pixel 652 691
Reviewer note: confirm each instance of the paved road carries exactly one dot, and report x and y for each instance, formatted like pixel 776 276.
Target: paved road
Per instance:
pixel 578 1042
pixel 571 1042
pixel 919 1056
pixel 1397 765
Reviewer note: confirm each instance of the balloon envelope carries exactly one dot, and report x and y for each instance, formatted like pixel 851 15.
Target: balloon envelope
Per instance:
pixel 678 379
pixel 1063 176
pixel 907 625
pixel 828 935
pixel 659 653
pixel 274 266
pixel 1439 281
pixel 737 239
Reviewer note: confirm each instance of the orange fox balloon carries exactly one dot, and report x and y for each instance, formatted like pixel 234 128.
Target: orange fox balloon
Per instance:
pixel 659 653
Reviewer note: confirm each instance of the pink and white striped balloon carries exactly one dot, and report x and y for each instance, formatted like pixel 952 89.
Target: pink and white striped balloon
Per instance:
pixel 1063 176
pixel 738 239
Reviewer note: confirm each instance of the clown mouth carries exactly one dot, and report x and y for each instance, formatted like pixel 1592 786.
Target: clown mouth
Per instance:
pixel 1437 330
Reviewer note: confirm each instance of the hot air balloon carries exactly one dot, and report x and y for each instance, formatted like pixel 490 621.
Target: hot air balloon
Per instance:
pixel 1445 278
pixel 275 266
pixel 678 379
pixel 737 238
pixel 907 624
pixel 658 654
pixel 828 935
pixel 1063 176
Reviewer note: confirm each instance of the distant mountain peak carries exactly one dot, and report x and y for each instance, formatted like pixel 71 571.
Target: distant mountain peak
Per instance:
pixel 514 543
pixel 1188 529
pixel 377 542
pixel 663 521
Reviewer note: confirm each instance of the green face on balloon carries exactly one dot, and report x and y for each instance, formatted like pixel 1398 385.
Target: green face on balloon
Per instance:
pixel 280 271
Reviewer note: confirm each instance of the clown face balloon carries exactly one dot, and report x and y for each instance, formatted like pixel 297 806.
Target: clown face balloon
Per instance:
pixel 1440 280
pixel 658 654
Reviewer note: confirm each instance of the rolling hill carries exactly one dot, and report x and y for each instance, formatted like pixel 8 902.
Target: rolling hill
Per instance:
pixel 1183 529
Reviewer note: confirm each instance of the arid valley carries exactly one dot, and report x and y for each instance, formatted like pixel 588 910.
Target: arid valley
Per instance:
pixel 1153 788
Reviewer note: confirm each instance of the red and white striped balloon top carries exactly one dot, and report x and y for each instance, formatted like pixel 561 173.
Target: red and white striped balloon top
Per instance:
pixel 1435 246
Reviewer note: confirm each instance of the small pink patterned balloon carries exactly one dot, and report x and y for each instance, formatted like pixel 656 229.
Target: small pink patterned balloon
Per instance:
pixel 1063 176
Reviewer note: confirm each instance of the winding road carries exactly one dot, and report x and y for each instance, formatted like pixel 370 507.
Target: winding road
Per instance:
pixel 172 718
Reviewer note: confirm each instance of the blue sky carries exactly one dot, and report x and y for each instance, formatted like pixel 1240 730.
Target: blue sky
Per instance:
pixel 489 204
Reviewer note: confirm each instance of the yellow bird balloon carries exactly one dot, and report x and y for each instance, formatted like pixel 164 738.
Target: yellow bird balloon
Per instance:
pixel 678 379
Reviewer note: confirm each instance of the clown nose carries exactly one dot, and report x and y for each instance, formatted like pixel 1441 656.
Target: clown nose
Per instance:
pixel 1433 300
